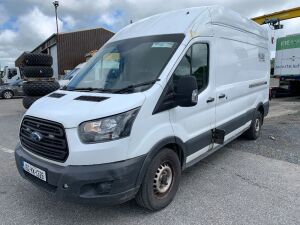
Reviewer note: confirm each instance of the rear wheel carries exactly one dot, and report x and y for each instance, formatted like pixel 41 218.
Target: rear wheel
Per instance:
pixel 161 181
pixel 255 129
pixel 7 94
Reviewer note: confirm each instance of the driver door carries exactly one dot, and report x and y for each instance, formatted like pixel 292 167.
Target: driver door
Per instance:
pixel 193 125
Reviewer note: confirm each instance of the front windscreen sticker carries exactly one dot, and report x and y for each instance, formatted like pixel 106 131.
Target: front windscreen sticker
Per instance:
pixel 162 44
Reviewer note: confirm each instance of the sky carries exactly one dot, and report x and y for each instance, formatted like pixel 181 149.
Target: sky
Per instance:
pixel 24 24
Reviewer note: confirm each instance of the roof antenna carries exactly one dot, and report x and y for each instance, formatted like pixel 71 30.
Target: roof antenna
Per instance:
pixel 187 13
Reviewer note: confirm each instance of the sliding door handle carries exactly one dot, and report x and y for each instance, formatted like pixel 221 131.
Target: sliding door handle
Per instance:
pixel 210 99
pixel 222 96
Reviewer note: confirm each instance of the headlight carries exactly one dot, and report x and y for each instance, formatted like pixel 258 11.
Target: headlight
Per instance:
pixel 109 128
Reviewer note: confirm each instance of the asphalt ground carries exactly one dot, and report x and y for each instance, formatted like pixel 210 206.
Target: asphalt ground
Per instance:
pixel 246 182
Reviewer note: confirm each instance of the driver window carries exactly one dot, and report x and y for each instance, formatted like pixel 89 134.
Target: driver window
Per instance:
pixel 194 63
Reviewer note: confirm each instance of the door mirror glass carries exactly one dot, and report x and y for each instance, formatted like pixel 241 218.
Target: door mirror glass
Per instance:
pixel 186 91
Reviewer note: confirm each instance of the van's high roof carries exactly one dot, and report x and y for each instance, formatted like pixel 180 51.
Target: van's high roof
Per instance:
pixel 194 21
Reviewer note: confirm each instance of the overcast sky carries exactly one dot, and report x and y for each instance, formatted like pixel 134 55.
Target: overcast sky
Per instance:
pixel 26 23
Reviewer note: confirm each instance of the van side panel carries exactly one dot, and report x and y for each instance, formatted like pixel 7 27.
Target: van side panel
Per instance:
pixel 230 18
pixel 242 76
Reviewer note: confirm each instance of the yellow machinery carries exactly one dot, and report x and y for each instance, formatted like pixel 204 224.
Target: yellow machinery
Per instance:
pixel 274 19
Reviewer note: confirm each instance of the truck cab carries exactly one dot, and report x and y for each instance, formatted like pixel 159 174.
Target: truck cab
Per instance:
pixel 10 74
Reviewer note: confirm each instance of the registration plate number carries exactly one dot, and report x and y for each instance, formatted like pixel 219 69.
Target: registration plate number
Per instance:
pixel 41 174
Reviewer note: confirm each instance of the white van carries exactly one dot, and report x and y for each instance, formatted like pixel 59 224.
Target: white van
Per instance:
pixel 162 94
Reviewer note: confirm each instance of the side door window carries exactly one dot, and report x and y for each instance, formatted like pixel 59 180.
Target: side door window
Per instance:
pixel 12 72
pixel 194 63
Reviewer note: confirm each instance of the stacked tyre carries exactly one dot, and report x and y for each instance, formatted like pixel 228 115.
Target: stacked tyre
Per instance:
pixel 38 74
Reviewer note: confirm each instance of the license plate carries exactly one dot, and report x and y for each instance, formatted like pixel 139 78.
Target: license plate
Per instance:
pixel 41 174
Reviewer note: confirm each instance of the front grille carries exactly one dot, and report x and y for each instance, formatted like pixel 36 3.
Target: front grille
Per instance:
pixel 52 144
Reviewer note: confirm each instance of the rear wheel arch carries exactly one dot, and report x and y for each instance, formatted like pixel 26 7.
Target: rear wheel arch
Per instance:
pixel 261 109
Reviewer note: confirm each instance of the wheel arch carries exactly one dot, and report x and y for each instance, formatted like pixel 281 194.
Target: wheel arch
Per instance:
pixel 173 143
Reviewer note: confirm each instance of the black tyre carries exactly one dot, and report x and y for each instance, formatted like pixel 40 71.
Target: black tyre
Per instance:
pixel 37 59
pixel 273 93
pixel 7 94
pixel 39 88
pixel 28 101
pixel 37 71
pixel 255 129
pixel 161 181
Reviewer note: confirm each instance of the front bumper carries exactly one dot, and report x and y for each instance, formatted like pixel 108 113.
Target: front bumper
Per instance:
pixel 111 183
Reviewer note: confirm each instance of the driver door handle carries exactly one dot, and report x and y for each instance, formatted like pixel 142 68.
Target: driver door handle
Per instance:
pixel 210 99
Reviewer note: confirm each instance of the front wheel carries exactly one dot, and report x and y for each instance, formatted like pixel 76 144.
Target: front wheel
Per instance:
pixel 161 181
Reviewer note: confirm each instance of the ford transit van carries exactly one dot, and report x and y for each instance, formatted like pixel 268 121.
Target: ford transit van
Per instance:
pixel 159 96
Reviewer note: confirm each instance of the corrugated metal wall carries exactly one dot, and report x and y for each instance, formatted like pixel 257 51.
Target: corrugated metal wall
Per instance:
pixel 18 61
pixel 72 47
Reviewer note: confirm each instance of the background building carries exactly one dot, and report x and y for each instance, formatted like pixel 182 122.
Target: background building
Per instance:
pixel 69 49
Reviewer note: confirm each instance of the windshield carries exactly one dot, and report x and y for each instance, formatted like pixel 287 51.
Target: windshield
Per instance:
pixel 71 74
pixel 126 63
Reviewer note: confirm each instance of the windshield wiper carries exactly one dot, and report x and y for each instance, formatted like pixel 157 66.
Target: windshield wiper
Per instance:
pixel 130 87
pixel 90 89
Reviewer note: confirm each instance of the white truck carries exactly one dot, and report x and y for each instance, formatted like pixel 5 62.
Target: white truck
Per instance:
pixel 287 60
pixel 161 95
pixel 10 74
pixel 287 66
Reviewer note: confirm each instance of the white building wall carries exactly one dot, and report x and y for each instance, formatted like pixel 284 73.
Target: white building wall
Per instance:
pixel 53 53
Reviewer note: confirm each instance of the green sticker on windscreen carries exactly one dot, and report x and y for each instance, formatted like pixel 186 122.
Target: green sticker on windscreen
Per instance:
pixel 162 44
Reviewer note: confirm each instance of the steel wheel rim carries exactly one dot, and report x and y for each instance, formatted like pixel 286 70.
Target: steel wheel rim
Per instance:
pixel 163 179
pixel 257 125
pixel 7 94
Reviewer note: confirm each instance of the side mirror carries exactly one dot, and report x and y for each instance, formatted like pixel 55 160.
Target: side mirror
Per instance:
pixel 186 91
